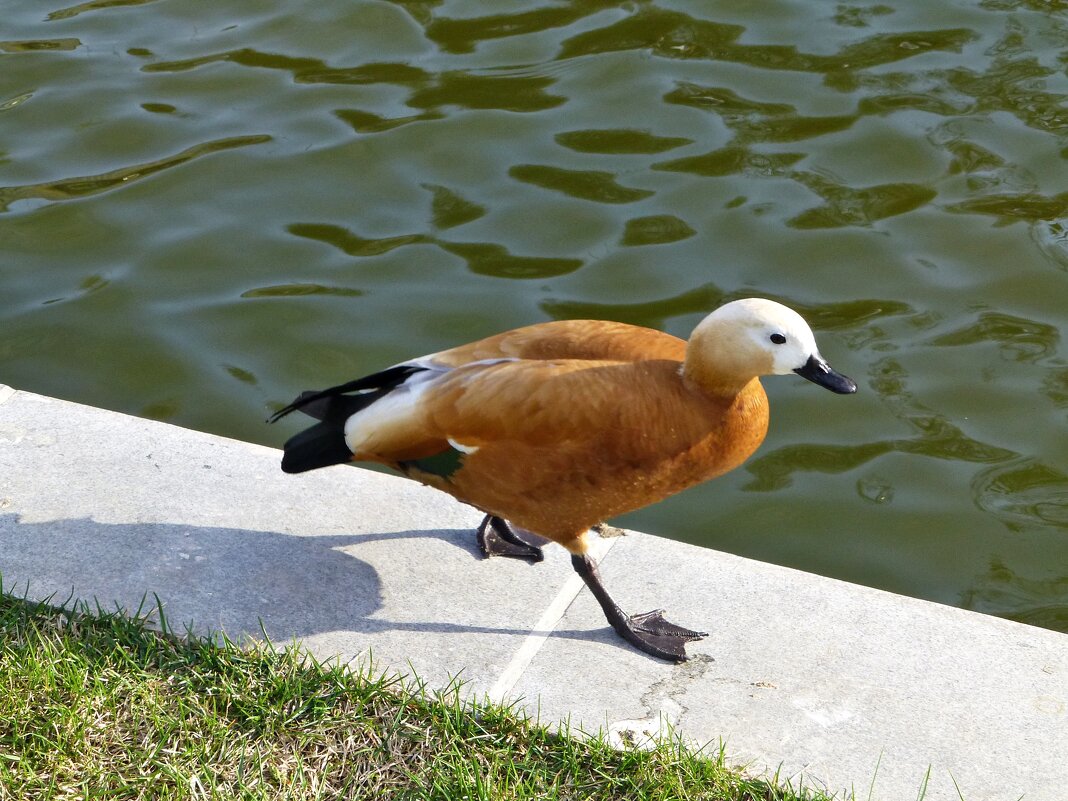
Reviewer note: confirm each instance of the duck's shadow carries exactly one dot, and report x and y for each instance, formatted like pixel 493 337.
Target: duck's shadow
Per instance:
pixel 239 581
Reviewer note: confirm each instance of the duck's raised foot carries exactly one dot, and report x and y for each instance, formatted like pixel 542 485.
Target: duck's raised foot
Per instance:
pixel 497 537
pixel 654 635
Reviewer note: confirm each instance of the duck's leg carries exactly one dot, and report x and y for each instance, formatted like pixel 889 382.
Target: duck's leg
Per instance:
pixel 497 537
pixel 649 632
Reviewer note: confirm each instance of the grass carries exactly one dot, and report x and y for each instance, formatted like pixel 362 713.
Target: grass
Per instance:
pixel 98 705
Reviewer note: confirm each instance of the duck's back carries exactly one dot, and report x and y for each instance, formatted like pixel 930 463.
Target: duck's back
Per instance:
pixel 569 339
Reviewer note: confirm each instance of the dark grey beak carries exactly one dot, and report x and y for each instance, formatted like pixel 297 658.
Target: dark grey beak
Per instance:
pixel 819 372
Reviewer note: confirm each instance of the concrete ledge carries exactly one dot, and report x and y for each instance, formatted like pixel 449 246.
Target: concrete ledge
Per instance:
pixel 824 680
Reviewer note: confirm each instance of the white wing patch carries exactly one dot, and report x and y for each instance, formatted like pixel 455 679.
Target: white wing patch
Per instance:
pixel 391 410
pixel 468 449
pixel 402 404
pixel 382 414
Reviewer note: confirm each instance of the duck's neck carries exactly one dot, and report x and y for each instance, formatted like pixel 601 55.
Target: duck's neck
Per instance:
pixel 717 365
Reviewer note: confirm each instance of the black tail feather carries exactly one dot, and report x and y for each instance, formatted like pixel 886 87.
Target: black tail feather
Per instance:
pixel 324 444
pixel 319 446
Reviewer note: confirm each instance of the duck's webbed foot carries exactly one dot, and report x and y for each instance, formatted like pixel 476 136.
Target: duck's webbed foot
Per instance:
pixel 649 632
pixel 498 537
pixel 654 624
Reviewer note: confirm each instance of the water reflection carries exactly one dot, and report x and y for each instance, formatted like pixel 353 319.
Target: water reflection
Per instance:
pixel 364 122
pixel 1023 492
pixel 593 185
pixel 666 33
pixel 619 140
pixel 936 437
pixel 1029 206
pixel 1038 602
pixel 1010 86
pixel 723 101
pixel 859 316
pixel 352 244
pixel 94 283
pixel 892 102
pixel 791 129
pixel 300 290
pixel 651 313
pixel 450 210
pixel 39 45
pixel 523 93
pixel 483 258
pixel 860 16
pixel 774 469
pixel 1051 236
pixel 829 316
pixel 1020 339
pixel 969 157
pixel 1055 386
pixel 303 69
pixel 420 10
pixel 673 34
pixel 93 5
pixel 1010 83
pixel 83 186
pixel 732 160
pixel 752 121
pixel 241 374
pixel 461 35
pixel 848 206
pixel 16 101
pixel 655 230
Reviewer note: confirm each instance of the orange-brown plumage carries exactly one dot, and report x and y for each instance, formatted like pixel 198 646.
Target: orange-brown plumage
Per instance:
pixel 570 339
pixel 558 426
pixel 565 444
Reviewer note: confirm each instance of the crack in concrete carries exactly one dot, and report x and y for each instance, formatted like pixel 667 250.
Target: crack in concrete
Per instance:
pixel 663 706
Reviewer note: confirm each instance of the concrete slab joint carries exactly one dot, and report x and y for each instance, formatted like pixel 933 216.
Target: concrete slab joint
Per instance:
pixel 832 684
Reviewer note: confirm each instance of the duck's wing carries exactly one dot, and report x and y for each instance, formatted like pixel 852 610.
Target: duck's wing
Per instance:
pixel 531 403
pixel 568 339
pixel 562 339
pixel 519 384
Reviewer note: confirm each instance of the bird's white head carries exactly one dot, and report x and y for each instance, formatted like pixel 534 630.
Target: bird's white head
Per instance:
pixel 752 337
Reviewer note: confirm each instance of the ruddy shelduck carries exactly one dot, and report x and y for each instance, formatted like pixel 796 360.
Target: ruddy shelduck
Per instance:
pixel 557 427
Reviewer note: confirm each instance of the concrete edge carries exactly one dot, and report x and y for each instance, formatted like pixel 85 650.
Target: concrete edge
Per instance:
pixel 6 394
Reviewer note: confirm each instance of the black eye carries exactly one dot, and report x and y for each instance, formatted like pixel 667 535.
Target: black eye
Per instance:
pixel 778 339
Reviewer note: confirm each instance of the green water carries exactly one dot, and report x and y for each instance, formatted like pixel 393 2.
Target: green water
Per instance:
pixel 207 207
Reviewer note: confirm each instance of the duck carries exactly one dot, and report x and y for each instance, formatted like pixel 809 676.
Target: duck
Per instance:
pixel 553 428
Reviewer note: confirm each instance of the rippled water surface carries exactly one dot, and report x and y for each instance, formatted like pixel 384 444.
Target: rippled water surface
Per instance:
pixel 206 207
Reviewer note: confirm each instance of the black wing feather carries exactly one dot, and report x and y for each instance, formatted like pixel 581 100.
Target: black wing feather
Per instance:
pixel 324 444
pixel 384 381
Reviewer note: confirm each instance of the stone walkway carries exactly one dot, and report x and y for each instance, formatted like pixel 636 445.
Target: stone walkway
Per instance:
pixel 846 688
